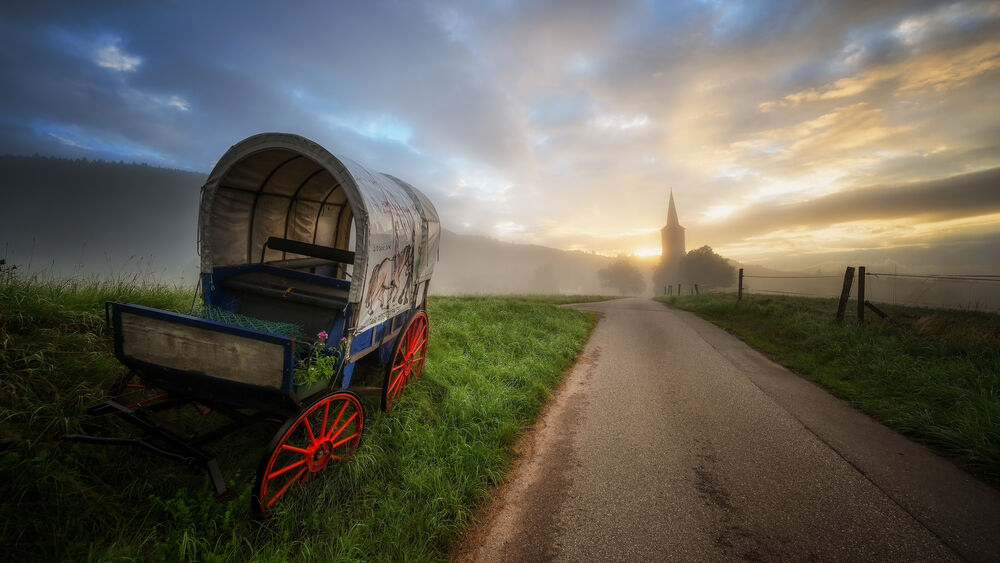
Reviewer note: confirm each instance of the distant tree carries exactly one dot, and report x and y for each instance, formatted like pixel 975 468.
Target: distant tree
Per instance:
pixel 666 274
pixel 545 279
pixel 701 266
pixel 707 269
pixel 622 275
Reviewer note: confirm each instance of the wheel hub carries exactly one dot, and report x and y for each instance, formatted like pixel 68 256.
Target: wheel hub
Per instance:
pixel 320 453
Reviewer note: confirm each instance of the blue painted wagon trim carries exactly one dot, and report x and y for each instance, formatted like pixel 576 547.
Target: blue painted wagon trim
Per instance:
pixel 288 368
pixel 361 342
pixel 346 374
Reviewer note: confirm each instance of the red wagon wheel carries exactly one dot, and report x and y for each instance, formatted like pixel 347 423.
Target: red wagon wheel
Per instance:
pixel 328 429
pixel 407 361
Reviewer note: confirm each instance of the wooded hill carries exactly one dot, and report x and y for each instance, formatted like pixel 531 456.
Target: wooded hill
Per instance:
pixel 79 217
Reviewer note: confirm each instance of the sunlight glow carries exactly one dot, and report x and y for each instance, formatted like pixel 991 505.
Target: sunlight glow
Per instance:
pixel 718 212
pixel 857 236
pixel 508 228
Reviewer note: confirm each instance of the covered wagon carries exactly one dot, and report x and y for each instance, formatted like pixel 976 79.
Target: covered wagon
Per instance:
pixel 309 263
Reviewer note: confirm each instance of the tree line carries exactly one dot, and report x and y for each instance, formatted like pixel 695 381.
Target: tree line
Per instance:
pixel 702 266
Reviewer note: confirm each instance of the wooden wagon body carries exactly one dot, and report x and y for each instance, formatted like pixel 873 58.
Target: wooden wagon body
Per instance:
pixel 290 237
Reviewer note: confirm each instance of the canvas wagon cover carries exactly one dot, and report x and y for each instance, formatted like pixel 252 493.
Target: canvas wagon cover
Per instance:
pixel 277 184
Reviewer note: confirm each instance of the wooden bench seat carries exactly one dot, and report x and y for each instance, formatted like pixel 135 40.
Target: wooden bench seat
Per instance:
pixel 278 287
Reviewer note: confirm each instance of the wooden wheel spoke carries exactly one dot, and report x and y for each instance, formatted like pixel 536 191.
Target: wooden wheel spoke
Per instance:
pixel 285 488
pixel 411 350
pixel 396 382
pixel 334 425
pixel 326 413
pixel 286 469
pixel 305 420
pixel 409 354
pixel 294 449
pixel 352 417
pixel 421 343
pixel 342 440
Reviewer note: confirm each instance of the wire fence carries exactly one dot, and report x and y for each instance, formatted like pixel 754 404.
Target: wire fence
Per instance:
pixel 968 291
pixel 774 291
pixel 804 286
pixel 793 277
pixel 973 292
pixel 970 277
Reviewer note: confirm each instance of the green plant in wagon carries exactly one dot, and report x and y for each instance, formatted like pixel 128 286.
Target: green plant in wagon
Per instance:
pixel 321 362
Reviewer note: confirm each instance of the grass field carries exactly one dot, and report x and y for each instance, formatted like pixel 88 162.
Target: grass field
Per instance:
pixel 931 374
pixel 412 487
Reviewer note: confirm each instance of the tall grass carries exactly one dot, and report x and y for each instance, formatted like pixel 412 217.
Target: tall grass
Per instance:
pixel 54 347
pixel 411 487
pixel 931 374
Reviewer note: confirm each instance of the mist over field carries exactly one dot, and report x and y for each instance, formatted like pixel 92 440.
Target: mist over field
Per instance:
pixel 793 136
pixel 74 218
pixel 66 217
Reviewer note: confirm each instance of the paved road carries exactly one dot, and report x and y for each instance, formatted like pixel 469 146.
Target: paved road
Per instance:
pixel 672 440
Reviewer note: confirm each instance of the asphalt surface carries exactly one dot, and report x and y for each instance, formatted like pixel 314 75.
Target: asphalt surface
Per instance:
pixel 672 440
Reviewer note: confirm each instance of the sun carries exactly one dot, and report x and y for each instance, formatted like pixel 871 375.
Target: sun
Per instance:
pixel 647 251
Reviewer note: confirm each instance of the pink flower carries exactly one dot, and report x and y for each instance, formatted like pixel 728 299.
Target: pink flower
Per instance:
pixel 322 335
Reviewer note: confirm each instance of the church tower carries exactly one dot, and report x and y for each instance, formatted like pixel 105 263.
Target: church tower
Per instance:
pixel 672 236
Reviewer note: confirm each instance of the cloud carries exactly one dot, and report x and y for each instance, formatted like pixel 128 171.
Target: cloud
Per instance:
pixel 944 199
pixel 571 120
pixel 111 57
pixel 943 72
pixel 178 103
pixel 947 18
pixel 621 122
pixel 827 136
pixel 934 71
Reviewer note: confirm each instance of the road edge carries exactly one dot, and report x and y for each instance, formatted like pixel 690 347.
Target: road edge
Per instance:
pixel 497 520
pixel 962 511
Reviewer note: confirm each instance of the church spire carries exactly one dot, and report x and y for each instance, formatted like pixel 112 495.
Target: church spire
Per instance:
pixel 672 213
pixel 672 235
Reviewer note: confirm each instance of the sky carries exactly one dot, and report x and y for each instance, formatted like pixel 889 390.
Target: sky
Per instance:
pixel 790 132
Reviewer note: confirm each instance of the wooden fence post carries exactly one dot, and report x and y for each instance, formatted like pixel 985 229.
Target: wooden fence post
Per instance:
pixel 846 292
pixel 696 292
pixel 678 290
pixel 861 294
pixel 739 295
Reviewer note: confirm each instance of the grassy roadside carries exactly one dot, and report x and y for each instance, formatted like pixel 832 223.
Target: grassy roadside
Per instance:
pixel 410 490
pixel 934 375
